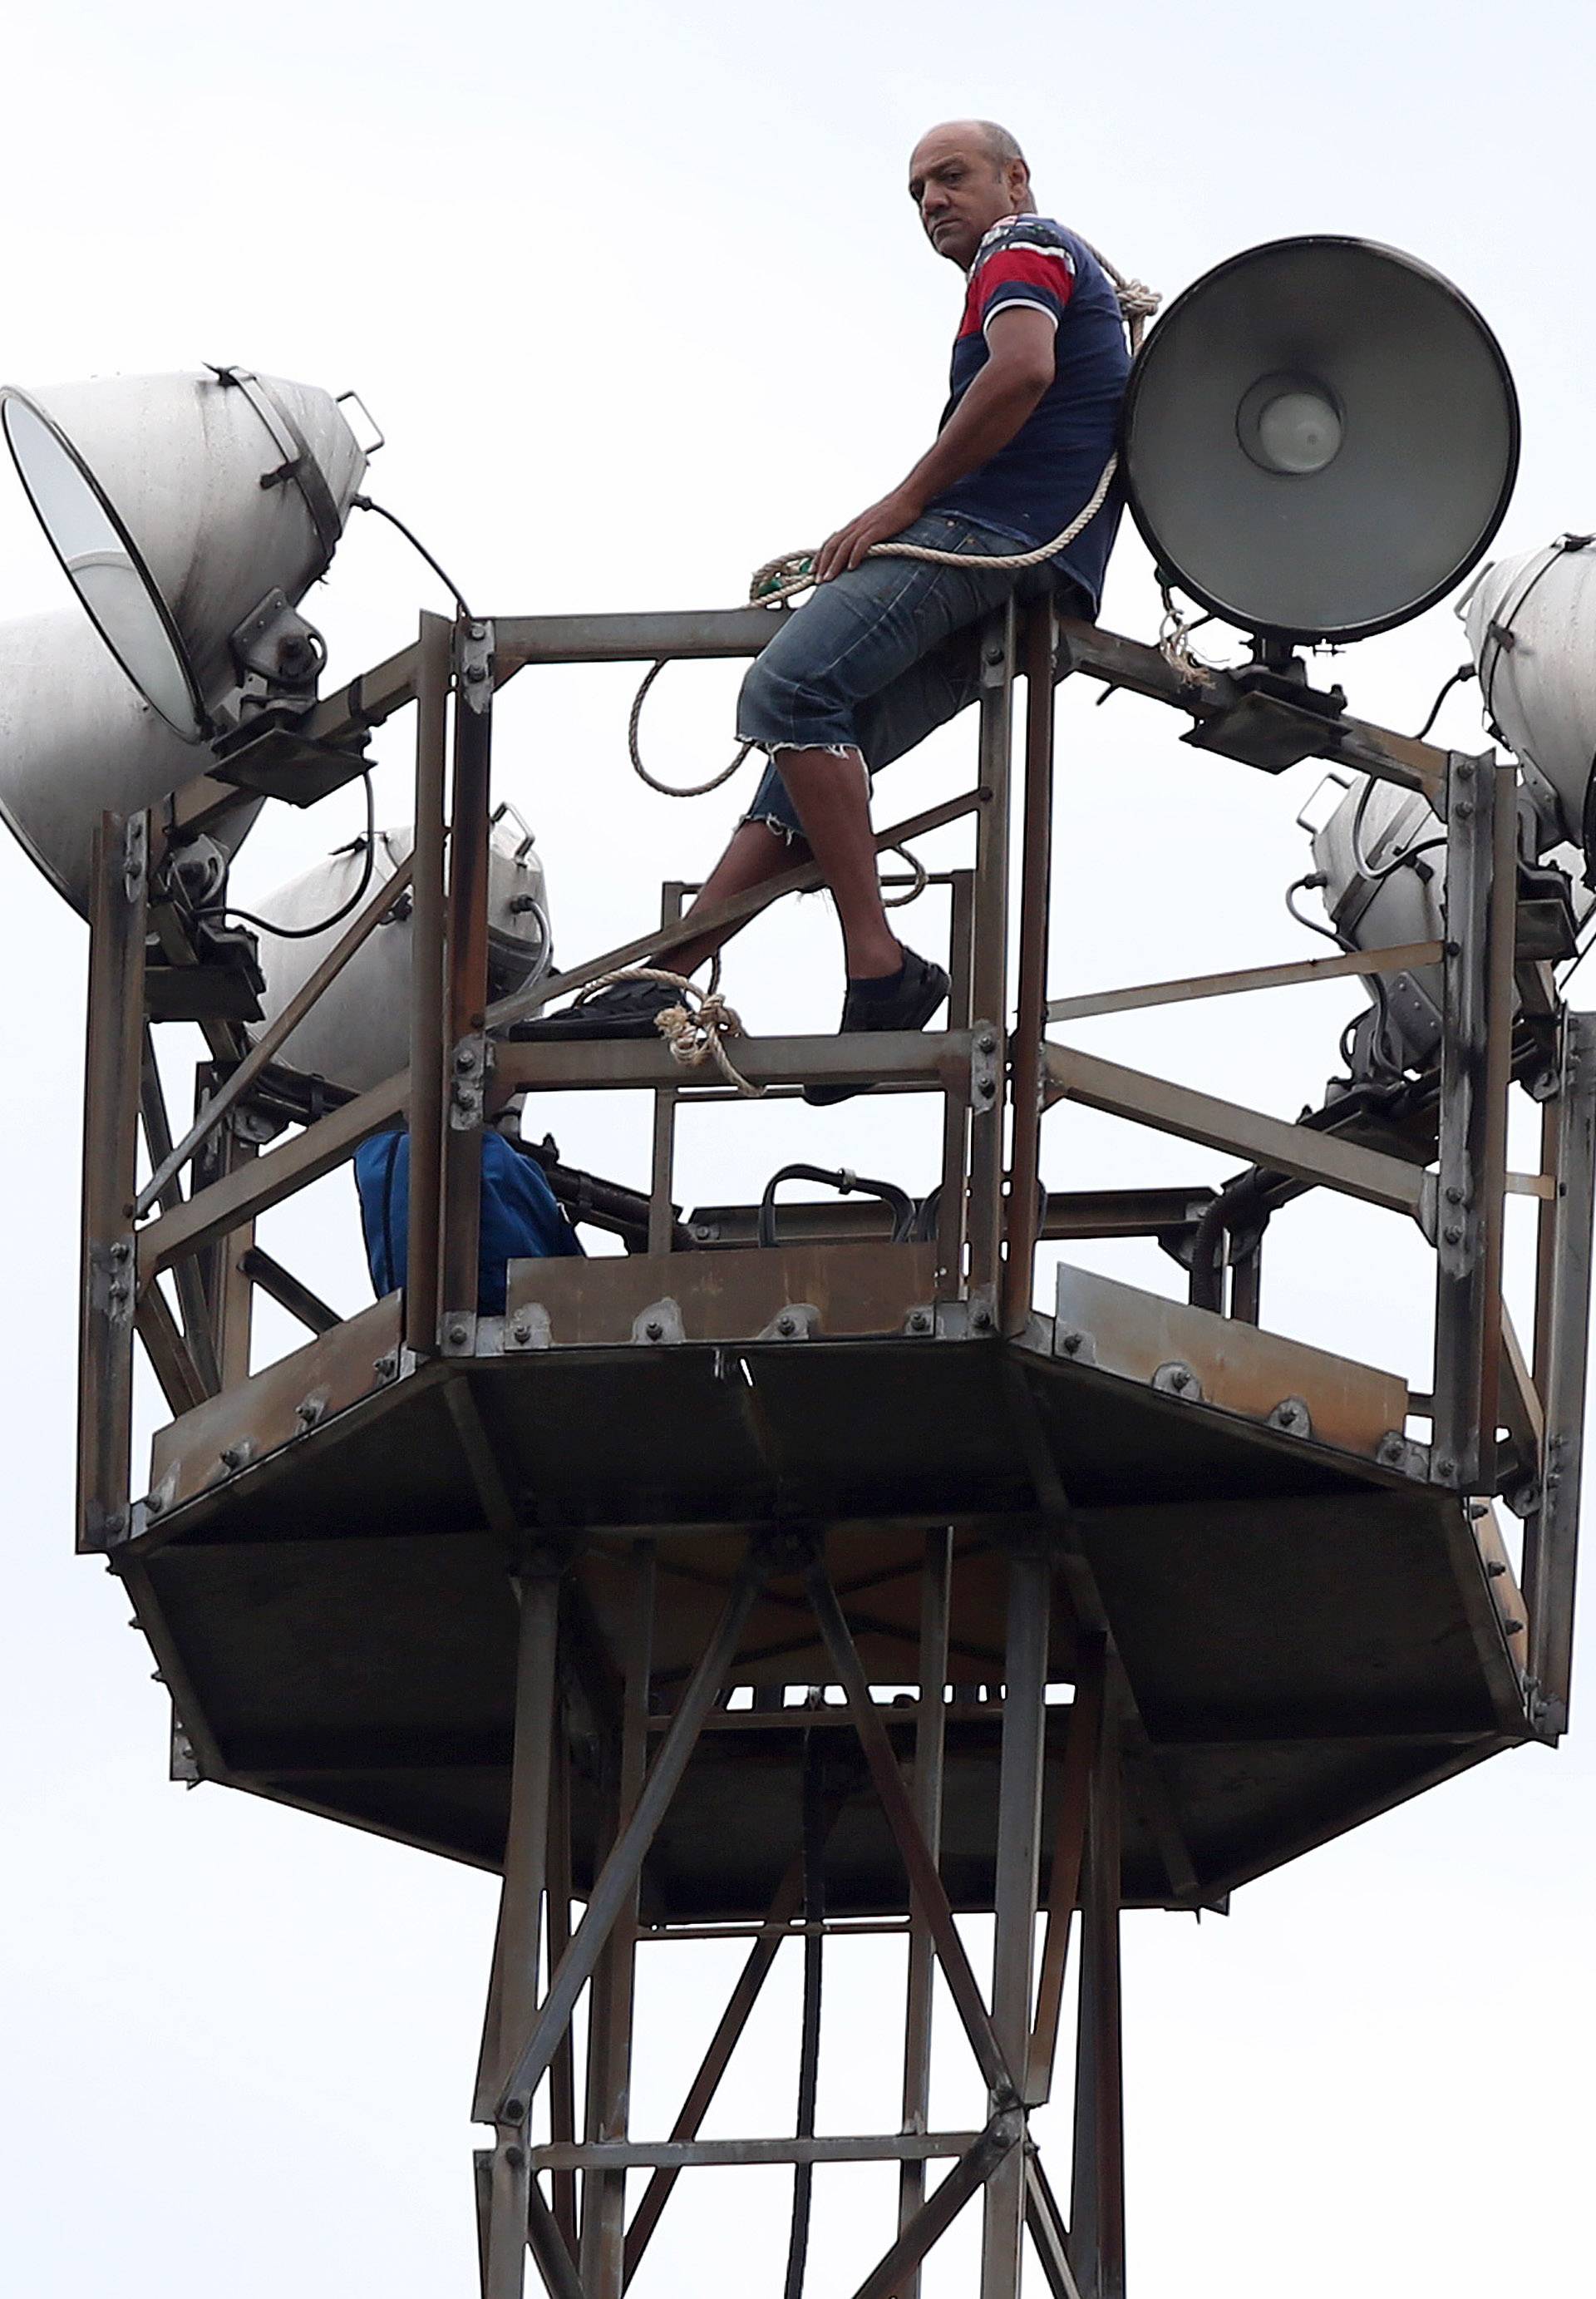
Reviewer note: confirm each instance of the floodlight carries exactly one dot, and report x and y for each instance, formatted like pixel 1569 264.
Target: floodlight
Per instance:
pixel 1532 630
pixel 76 741
pixel 191 513
pixel 358 1032
pixel 1319 439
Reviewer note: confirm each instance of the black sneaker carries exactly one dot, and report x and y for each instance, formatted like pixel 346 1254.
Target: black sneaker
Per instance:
pixel 908 1003
pixel 623 1010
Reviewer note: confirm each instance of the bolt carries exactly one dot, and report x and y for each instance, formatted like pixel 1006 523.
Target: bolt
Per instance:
pixel 1464 810
pixel 466 1059
pixel 457 1334
pixel 1454 1197
pixel 704 1233
pixel 1069 1343
pixel 786 1324
pixel 475 672
pixel 1495 1568
pixel 986 1043
pixel 233 1457
pixel 654 1330
pixel 514 2158
pixel 1465 771
pixel 1513 1628
pixel 117 1522
pixel 1452 1234
pixel 120 1249
pixel 513 2110
pixel 119 1293
pixel 919 1322
pixel 309 1412
pixel 522 1333
pixel 994 654
pixel 980 1319
pixel 1446 1470
pixel 986 1089
pixel 1179 1378
pixel 385 1368
pixel 478 631
pixel 153 1503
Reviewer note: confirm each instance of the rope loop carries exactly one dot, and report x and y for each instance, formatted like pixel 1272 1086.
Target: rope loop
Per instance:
pixel 921 880
pixel 693 1036
pixel 669 789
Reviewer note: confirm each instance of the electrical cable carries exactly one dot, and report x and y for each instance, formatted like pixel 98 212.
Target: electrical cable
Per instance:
pixel 365 502
pixel 1313 879
pixel 1464 672
pixel 308 933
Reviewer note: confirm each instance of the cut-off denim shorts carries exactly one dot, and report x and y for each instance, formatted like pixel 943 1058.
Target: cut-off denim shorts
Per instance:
pixel 878 658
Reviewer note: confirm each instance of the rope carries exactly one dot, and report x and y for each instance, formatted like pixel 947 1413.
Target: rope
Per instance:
pixel 693 1038
pixel 902 901
pixel 669 789
pixel 784 578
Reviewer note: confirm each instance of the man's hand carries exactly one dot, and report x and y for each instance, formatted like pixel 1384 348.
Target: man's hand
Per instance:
pixel 848 547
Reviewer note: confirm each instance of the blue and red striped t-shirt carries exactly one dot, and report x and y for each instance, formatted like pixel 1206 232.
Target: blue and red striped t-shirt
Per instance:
pixel 1032 488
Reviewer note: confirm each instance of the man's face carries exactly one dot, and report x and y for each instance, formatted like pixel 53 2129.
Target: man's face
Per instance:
pixel 961 191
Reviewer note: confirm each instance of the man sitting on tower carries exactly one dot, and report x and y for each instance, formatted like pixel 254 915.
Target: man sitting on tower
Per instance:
pixel 887 649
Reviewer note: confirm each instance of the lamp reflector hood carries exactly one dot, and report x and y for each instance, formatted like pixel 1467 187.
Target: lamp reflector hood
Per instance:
pixel 76 742
pixel 1319 439
pixel 177 503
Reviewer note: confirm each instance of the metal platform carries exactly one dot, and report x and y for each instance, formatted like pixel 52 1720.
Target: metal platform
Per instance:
pixel 1309 1635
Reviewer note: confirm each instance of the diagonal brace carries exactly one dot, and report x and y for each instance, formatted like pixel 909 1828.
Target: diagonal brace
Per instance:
pixel 925 1881
pixel 932 2221
pixel 613 1888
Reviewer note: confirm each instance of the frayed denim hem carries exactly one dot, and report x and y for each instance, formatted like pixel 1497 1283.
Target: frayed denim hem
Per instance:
pixel 788 833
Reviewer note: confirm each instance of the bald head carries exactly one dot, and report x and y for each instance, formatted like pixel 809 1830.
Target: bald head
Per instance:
pixel 963 176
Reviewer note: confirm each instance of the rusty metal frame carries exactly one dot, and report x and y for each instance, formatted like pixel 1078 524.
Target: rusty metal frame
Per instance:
pixel 995 1071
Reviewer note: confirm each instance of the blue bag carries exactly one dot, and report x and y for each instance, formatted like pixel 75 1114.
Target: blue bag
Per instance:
pixel 521 1218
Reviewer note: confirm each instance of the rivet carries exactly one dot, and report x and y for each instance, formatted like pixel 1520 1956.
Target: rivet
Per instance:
pixel 465 1060
pixel 514 2157
pixel 513 2110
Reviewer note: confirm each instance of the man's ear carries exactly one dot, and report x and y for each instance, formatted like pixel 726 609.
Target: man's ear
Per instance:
pixel 1018 183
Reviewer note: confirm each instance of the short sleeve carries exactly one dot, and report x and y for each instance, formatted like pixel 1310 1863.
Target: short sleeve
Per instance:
pixel 1038 278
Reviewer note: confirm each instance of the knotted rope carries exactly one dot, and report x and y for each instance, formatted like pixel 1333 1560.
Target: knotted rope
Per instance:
pixel 694 1038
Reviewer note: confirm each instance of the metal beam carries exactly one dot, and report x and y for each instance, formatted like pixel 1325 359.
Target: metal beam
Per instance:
pixel 1323 1158
pixel 684 2155
pixel 286 1290
pixel 1400 959
pixel 933 2219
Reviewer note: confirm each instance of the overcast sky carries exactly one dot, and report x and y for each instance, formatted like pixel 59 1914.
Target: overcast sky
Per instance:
pixel 639 300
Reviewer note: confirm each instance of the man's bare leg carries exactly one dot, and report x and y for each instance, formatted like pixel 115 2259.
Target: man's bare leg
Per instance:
pixel 832 798
pixel 832 793
pixel 755 853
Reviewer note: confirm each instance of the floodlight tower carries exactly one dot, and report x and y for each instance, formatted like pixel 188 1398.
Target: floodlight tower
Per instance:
pixel 793 1572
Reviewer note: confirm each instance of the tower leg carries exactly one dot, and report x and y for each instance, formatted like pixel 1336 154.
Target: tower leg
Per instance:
pixel 513 1990
pixel 1097 2187
pixel 1019 1851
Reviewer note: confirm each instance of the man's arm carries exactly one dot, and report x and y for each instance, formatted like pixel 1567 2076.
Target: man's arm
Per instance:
pixel 1019 368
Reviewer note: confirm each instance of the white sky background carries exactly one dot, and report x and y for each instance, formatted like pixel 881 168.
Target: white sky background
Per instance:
pixel 640 299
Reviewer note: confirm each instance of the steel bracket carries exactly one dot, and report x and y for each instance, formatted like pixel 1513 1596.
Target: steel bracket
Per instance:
pixel 1399 1452
pixel 1292 1418
pixel 797 1321
pixel 472 1067
pixel 1178 1379
pixel 660 1326
pixel 986 1057
pixel 457 1333
pixel 474 664
pixel 528 1328
pixel 135 855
